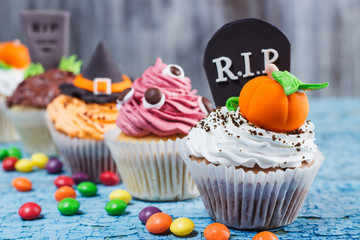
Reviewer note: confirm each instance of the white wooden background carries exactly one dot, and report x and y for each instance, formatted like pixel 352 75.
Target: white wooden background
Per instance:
pixel 325 34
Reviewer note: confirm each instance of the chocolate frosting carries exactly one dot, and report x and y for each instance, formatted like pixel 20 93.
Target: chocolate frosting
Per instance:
pixel 39 90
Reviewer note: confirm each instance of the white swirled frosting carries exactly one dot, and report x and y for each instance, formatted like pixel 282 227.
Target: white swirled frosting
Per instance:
pixel 227 138
pixel 9 80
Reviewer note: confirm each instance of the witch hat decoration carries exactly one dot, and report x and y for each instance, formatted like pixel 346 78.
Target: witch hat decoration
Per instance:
pixel 101 81
pixel 239 51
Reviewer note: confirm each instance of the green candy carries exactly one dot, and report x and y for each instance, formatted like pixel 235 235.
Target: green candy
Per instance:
pixel 87 189
pixel 115 207
pixel 14 152
pixel 68 206
pixel 3 154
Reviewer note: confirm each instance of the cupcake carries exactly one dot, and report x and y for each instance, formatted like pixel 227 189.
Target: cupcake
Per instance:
pixel 254 159
pixel 14 59
pixel 155 114
pixel 85 110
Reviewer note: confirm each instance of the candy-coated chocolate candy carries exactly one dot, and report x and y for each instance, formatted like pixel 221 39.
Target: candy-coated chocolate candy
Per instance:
pixel 54 166
pixel 24 165
pixel 120 194
pixel 29 211
pixel 9 164
pixel 64 192
pixel 216 231
pixel 3 154
pixel 265 235
pixel 158 223
pixel 115 207
pixel 22 184
pixel 148 212
pixel 80 177
pixel 68 206
pixel 87 189
pixel 182 226
pixel 109 178
pixel 63 180
pixel 40 160
pixel 14 152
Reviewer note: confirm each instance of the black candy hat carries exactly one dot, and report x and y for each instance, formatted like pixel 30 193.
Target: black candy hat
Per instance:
pixel 101 80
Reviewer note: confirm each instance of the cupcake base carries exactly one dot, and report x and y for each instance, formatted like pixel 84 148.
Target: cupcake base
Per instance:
pixel 30 123
pixel 7 130
pixel 151 171
pixel 245 200
pixel 81 155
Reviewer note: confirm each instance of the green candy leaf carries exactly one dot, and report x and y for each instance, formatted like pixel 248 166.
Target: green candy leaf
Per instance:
pixel 34 69
pixel 4 66
pixel 291 84
pixel 232 103
pixel 71 64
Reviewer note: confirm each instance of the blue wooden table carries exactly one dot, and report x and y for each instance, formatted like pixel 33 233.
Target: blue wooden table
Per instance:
pixel 331 209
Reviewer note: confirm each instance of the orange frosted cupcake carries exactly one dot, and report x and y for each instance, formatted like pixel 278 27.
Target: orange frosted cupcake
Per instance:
pixel 85 110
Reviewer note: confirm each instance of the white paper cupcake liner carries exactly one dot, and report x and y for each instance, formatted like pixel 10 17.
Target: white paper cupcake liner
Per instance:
pixel 31 126
pixel 245 200
pixel 81 155
pixel 152 171
pixel 7 130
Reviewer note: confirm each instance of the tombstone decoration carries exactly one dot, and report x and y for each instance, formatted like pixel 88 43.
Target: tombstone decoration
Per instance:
pixel 47 35
pixel 239 52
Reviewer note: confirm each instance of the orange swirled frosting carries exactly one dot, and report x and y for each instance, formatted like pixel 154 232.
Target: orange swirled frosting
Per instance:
pixel 75 118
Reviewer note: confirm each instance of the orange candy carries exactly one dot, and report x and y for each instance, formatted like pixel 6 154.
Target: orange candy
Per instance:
pixel 263 102
pixel 158 223
pixel 64 192
pixel 15 54
pixel 265 235
pixel 22 184
pixel 216 231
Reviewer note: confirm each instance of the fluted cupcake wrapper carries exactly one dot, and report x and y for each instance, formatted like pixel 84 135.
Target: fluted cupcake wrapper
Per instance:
pixel 152 171
pixel 31 126
pixel 82 155
pixel 245 200
pixel 7 130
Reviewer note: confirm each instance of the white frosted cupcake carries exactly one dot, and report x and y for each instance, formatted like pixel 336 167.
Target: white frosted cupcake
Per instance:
pixel 251 176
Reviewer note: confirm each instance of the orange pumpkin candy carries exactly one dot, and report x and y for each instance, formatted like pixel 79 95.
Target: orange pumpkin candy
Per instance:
pixel 15 54
pixel 263 102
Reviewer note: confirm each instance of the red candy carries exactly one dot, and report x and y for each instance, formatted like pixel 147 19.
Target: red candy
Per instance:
pixel 64 180
pixel 158 223
pixel 9 164
pixel 216 231
pixel 109 178
pixel 29 211
pixel 265 235
pixel 22 184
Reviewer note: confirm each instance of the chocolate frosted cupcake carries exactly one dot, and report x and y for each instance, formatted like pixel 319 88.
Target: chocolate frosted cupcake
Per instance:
pixel 85 110
pixel 14 59
pixel 27 106
pixel 155 114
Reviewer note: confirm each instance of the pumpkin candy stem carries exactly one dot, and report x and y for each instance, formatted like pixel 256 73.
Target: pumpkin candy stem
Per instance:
pixel 291 84
pixel 232 103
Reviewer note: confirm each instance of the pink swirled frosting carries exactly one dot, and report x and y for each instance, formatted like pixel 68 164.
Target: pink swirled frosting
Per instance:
pixel 180 112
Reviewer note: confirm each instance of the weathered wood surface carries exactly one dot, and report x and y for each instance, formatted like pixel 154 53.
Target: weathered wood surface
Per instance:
pixel 324 34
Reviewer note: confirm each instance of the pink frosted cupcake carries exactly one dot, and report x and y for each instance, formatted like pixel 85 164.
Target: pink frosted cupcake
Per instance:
pixel 155 114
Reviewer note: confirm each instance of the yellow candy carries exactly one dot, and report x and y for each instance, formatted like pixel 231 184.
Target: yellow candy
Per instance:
pixel 182 226
pixel 120 194
pixel 40 160
pixel 24 165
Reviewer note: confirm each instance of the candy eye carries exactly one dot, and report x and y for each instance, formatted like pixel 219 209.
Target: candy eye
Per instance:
pixel 124 97
pixel 174 71
pixel 153 98
pixel 205 105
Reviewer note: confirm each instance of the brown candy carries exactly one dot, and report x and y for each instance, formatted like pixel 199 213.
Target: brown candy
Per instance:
pixel 174 70
pixel 153 95
pixel 207 104
pixel 123 94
